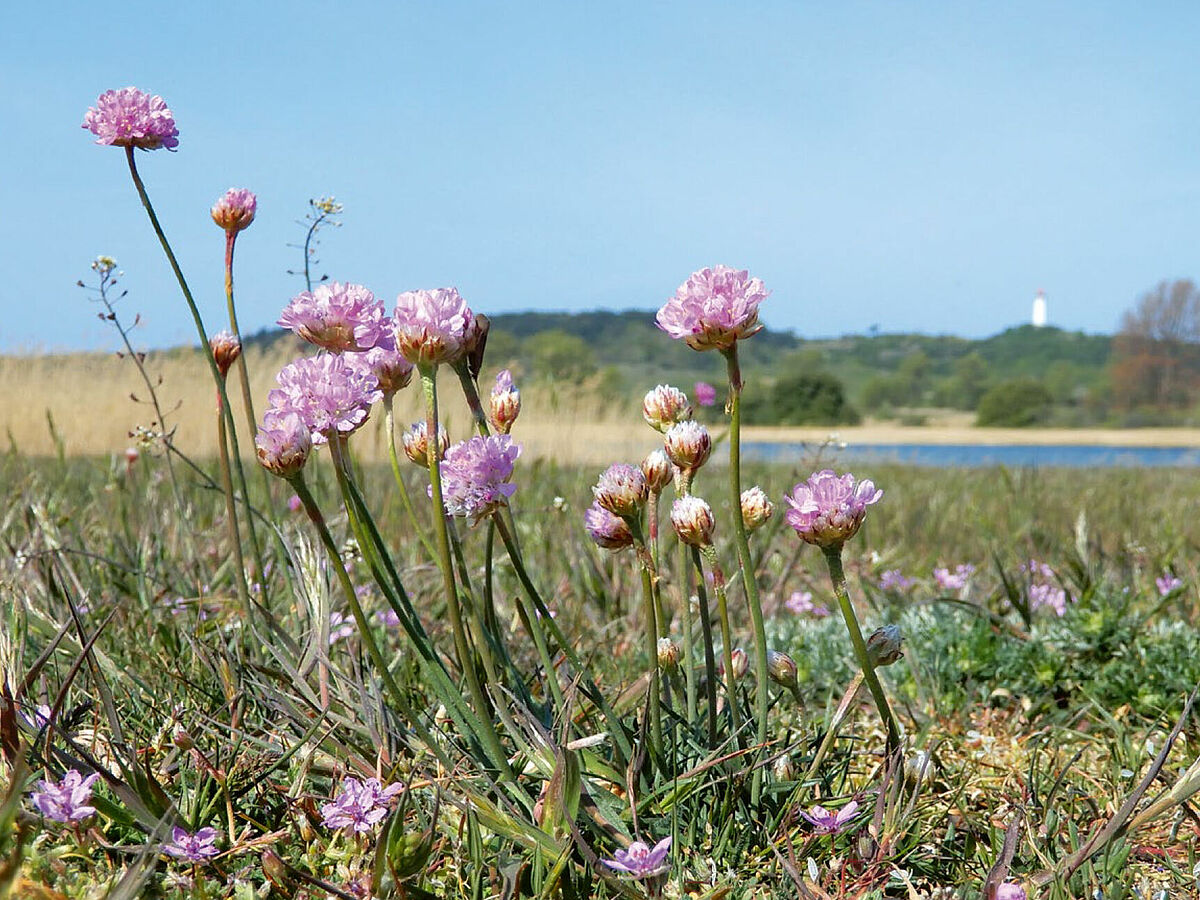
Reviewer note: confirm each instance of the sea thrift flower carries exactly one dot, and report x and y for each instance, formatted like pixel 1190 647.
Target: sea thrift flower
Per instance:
pixel 197 848
pixel 608 531
pixel 505 403
pixel 67 801
pixel 664 406
pixel 956 580
pixel 828 509
pixel 826 821
pixel 235 210
pixel 895 580
pixel 688 444
pixel 884 645
pixel 226 348
pixel 328 394
pixel 294 504
pixel 282 444
pixel 782 669
pixel 1010 890
pixel 476 475
pixel 132 118
pixel 416 443
pixel 1043 596
pixel 622 490
pixel 432 327
pixel 1167 582
pixel 359 806
pixel 706 394
pixel 757 508
pixel 340 627
pixel 391 370
pixel 693 521
pixel 658 470
pixel 641 860
pixel 801 603
pixel 337 317
pixel 714 308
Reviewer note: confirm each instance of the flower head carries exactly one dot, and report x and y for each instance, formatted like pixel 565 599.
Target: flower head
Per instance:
pixel 895 580
pixel 740 660
pixel 476 473
pixel 801 603
pixel 282 445
pixel 416 443
pixel 607 530
pixel 1167 582
pixel 825 821
pixel 641 860
pixel 328 394
pixel 693 521
pixel 828 509
pixel 197 848
pixel 884 645
pixel 663 406
pixel 757 508
pixel 688 444
pixel 622 490
pixel 956 580
pixel 432 327
pixel 658 470
pixel 336 316
pixel 668 654
pixel 706 394
pixel 359 805
pixel 132 118
pixel 68 800
pixel 505 403
pixel 226 348
pixel 1010 890
pixel 781 669
pixel 384 361
pixel 235 209
pixel 714 308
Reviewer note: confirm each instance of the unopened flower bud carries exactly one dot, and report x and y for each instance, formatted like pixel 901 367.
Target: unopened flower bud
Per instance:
pixel 607 530
pixel 658 470
pixel 782 669
pixel 664 406
pixel 783 769
pixel 283 444
pixel 622 490
pixel 693 521
pixel 505 403
pixel 235 210
pixel 757 508
pixel 131 455
pixel 226 348
pixel 276 871
pixel 416 444
pixel 740 662
pixel 688 444
pixel 883 646
pixel 182 739
pixel 407 852
pixel 668 654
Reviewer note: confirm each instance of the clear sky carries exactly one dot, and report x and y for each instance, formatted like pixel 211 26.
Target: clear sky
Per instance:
pixel 915 166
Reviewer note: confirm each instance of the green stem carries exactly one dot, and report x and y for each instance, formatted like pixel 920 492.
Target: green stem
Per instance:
pixel 833 558
pixel 710 556
pixel 235 539
pixel 685 613
pixel 749 581
pixel 390 425
pixel 710 658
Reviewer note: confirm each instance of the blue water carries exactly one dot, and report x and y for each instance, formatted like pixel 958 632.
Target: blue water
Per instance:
pixel 975 455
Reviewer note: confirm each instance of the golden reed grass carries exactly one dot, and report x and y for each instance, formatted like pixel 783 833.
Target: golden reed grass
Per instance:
pixel 90 397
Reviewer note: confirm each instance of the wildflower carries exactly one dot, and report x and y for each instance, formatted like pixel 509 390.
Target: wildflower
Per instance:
pixel 505 403
pixel 688 444
pixel 1010 890
pixel 828 509
pixel 388 618
pixel 337 317
pixel 1167 582
pixel 235 209
pixel 757 508
pixel 294 504
pixel 608 531
pixel 801 603
pixel 67 801
pixel 432 327
pixel 622 490
pixel 895 580
pixel 340 627
pixel 640 860
pixel 226 348
pixel 668 654
pixel 826 821
pixel 956 580
pixel 328 394
pixel 693 521
pixel 658 470
pixel 476 475
pixel 741 662
pixel 781 669
pixel 282 445
pixel 132 118
pixel 1048 596
pixel 664 406
pixel 714 308
pixel 706 394
pixel 197 848
pixel 359 806
pixel 132 455
pixel 416 443
pixel 883 645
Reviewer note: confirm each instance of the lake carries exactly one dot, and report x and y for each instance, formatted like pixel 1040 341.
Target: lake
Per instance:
pixel 978 455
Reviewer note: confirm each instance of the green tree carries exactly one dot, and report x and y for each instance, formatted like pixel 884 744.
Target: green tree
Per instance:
pixel 1016 403
pixel 560 355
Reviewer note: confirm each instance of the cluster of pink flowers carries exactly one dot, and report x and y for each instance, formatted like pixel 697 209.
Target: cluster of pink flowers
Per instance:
pixel 433 327
pixel 132 118
pixel 609 531
pixel 195 848
pixel 956 580
pixel 235 209
pixel 328 394
pixel 705 393
pixel 1044 590
pixel 386 363
pixel 68 800
pixel 476 475
pixel 801 603
pixel 828 509
pixel 337 317
pixel 895 580
pixel 359 805
pixel 1167 582
pixel 714 308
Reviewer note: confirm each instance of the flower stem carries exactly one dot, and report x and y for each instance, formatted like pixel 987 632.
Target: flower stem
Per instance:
pixel 235 539
pixel 710 556
pixel 685 614
pixel 390 425
pixel 833 558
pixel 750 583
pixel 710 658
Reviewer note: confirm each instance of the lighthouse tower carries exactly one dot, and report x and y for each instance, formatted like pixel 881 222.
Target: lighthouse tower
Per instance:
pixel 1039 309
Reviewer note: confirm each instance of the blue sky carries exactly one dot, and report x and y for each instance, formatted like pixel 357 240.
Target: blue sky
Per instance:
pixel 909 166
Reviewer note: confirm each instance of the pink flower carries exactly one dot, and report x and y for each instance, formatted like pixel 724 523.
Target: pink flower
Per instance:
pixel 476 473
pixel 360 805
pixel 283 444
pixel 1010 890
pixel 197 848
pixel 235 209
pixel 895 580
pixel 622 490
pixel 714 308
pixel 1167 582
pixel 337 317
pixel 384 361
pixel 826 821
pixel 67 801
pixel 294 504
pixel 504 404
pixel 801 603
pixel 706 394
pixel 828 509
pixel 640 860
pixel 608 531
pixel 956 580
pixel 132 118
pixel 432 327
pixel 326 393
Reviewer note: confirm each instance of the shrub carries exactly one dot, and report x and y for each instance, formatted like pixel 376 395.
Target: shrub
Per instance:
pixel 1017 403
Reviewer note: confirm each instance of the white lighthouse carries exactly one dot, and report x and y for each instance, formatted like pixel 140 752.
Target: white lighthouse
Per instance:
pixel 1039 310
